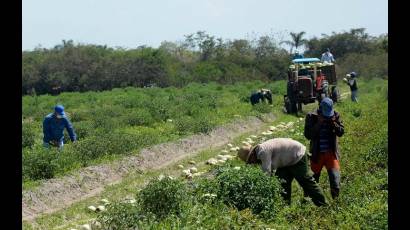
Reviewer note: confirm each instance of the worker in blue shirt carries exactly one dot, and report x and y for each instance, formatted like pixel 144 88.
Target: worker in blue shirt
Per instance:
pixel 53 128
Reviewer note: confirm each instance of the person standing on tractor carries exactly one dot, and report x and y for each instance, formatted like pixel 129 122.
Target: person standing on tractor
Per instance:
pixel 351 81
pixel 285 158
pixel 322 129
pixel 297 55
pixel 327 57
pixel 53 128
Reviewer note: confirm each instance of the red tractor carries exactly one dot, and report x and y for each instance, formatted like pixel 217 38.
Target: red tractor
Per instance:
pixel 310 80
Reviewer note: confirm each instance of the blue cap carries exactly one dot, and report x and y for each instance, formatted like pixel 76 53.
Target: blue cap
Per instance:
pixel 59 109
pixel 326 106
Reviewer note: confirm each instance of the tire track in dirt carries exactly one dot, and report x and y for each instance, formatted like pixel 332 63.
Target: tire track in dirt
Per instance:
pixel 55 194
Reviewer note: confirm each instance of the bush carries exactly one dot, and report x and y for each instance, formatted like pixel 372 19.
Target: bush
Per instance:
pixel 104 143
pixel 163 197
pixel 188 124
pixel 250 188
pixel 138 117
pixel 366 65
pixel 203 186
pixel 120 216
pixel 83 129
pixel 39 163
pixel 28 135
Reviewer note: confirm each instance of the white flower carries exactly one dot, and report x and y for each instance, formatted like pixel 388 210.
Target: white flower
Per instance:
pixel 101 208
pixel 193 170
pixel 161 177
pixel 225 151
pixel 192 162
pixel 237 168
pixel 180 166
pixel 230 145
pixel 92 208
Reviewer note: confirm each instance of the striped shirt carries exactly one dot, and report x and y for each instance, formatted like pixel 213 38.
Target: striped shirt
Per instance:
pixel 324 137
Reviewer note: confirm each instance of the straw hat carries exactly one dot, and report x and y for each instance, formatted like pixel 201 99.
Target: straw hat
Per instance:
pixel 243 152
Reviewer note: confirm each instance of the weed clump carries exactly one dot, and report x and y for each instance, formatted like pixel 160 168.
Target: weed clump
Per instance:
pixel 163 197
pixel 250 188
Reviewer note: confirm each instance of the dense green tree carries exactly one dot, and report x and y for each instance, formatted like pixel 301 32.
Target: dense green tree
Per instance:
pixel 200 57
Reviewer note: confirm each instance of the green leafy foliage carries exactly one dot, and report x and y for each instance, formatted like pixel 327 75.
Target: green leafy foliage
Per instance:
pixel 250 188
pixel 163 197
pixel 120 215
pixel 28 135
pixel 39 163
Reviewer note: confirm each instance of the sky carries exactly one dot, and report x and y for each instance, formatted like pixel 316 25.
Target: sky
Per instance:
pixel 132 23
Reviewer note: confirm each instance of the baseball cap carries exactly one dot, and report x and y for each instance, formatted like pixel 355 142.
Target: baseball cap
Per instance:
pixel 59 109
pixel 326 106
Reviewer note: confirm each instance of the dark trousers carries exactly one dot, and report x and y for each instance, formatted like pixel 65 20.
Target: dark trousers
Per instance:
pixel 304 176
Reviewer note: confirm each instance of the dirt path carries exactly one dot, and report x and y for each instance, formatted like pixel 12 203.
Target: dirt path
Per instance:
pixel 55 194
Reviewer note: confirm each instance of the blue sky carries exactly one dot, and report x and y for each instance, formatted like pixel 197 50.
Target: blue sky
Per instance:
pixel 131 23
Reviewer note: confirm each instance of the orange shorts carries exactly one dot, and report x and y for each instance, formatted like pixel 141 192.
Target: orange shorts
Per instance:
pixel 327 159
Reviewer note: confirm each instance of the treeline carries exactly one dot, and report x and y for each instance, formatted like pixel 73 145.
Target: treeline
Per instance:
pixel 200 57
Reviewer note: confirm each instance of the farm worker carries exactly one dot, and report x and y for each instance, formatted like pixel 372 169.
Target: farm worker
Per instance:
pixel 53 128
pixel 297 55
pixel 267 95
pixel 327 56
pixel 351 81
pixel 322 129
pixel 285 158
pixel 263 95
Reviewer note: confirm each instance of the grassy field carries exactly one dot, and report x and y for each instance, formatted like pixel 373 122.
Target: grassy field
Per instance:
pixel 361 205
pixel 120 122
